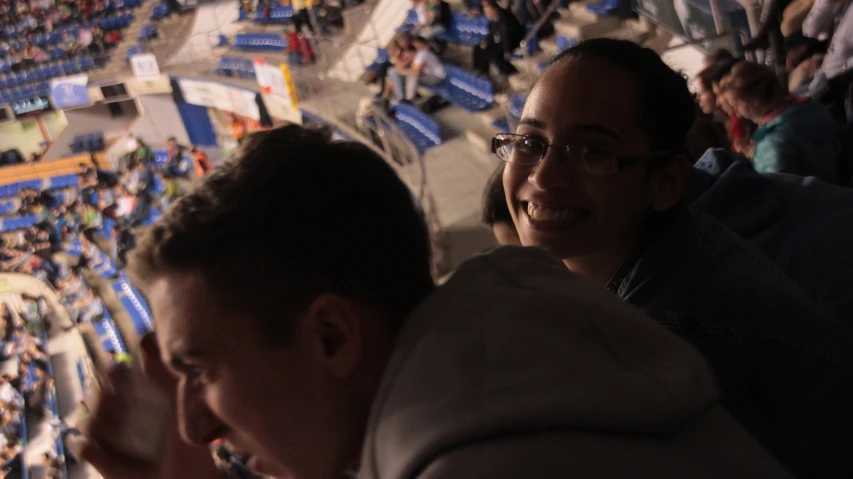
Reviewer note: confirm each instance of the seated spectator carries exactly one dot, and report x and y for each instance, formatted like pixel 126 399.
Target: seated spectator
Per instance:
pixel 85 39
pixel 505 34
pixel 739 129
pixel 831 82
pixel 436 18
pixel 495 374
pixel 426 69
pixel 69 43
pixel 596 176
pixel 88 309
pixel 795 135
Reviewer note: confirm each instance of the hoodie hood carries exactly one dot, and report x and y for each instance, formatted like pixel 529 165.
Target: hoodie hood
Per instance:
pixel 514 342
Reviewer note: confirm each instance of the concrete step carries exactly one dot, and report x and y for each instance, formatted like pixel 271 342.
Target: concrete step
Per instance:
pixel 584 29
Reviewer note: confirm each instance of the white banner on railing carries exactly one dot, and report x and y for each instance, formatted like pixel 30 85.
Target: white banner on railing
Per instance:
pixel 222 97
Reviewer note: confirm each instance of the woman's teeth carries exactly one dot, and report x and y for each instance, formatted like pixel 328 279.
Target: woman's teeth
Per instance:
pixel 547 213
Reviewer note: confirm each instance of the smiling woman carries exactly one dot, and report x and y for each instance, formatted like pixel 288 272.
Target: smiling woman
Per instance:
pixel 622 225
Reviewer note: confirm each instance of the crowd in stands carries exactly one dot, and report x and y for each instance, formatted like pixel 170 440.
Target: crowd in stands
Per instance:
pixel 28 393
pixel 39 33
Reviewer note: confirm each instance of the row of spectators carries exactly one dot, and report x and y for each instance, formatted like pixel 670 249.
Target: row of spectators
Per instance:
pixel 31 393
pixel 90 40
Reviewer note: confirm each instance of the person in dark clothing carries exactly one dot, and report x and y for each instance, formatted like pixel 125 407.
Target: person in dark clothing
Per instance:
pixel 596 174
pixel 505 34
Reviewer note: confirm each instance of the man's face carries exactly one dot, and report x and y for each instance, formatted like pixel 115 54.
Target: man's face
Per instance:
pixel 276 405
pixel 580 103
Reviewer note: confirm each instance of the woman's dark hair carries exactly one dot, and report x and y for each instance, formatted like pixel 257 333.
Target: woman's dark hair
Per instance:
pixel 665 104
pixel 495 209
pixel 718 55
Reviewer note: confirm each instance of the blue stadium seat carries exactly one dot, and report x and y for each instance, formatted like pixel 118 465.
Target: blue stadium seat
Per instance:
pixel 411 21
pixel 465 89
pixel 161 10
pixel 147 31
pixel 603 7
pixel 272 42
pixel 108 333
pixel 381 57
pixel 466 30
pixel 134 304
pixel 422 130
pixel 278 14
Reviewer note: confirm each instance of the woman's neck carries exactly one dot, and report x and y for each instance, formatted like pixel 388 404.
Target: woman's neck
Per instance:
pixel 601 267
pixel 774 105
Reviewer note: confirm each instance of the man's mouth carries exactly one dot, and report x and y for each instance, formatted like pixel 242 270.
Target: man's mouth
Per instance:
pixel 552 217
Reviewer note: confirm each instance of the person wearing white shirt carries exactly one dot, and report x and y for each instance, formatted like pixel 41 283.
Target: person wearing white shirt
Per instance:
pixel 835 18
pixel 426 69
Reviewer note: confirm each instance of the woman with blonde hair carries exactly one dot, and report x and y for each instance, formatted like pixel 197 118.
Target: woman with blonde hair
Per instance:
pixel 795 135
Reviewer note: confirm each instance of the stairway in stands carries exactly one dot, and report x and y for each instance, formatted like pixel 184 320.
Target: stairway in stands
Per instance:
pixel 172 31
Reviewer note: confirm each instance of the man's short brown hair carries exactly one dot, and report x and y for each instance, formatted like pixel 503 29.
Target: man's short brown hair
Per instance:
pixel 294 215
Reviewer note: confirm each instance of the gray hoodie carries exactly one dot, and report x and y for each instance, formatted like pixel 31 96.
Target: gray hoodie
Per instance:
pixel 516 368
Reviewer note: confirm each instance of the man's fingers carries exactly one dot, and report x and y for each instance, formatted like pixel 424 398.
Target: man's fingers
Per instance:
pixel 152 363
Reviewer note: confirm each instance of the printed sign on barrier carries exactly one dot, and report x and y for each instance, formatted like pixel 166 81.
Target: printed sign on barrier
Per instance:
pixel 70 91
pixel 144 66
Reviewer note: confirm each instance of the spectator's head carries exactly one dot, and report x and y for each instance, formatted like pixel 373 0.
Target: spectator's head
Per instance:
pixel 717 56
pixel 319 256
pixel 705 97
pixel 420 43
pixel 496 213
pixel 171 142
pixel 616 119
pixel 490 9
pixel 753 90
pixel 716 75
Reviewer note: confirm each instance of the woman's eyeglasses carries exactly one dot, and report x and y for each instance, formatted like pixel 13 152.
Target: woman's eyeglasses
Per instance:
pixel 584 160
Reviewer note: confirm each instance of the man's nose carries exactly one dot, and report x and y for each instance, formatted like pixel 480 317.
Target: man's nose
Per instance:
pixel 196 422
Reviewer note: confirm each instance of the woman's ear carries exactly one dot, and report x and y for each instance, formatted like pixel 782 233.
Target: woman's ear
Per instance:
pixel 667 183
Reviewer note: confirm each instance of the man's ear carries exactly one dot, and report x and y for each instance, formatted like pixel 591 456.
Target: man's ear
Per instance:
pixel 335 329
pixel 667 183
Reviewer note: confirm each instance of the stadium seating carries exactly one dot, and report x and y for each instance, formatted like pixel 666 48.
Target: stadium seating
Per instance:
pixel 241 67
pixel 423 131
pixel 464 29
pixel 270 42
pixel 23 85
pixel 88 142
pixel 108 334
pixel 278 14
pixel 135 305
pixel 467 90
pixel 7 207
pixel 161 10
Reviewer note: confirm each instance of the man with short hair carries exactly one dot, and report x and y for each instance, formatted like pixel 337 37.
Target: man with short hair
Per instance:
pixel 330 350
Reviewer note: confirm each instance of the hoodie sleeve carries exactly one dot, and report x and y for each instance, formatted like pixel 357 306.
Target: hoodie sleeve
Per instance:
pixel 712 446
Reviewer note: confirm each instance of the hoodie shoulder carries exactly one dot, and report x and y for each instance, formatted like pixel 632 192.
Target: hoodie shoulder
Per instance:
pixel 515 342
